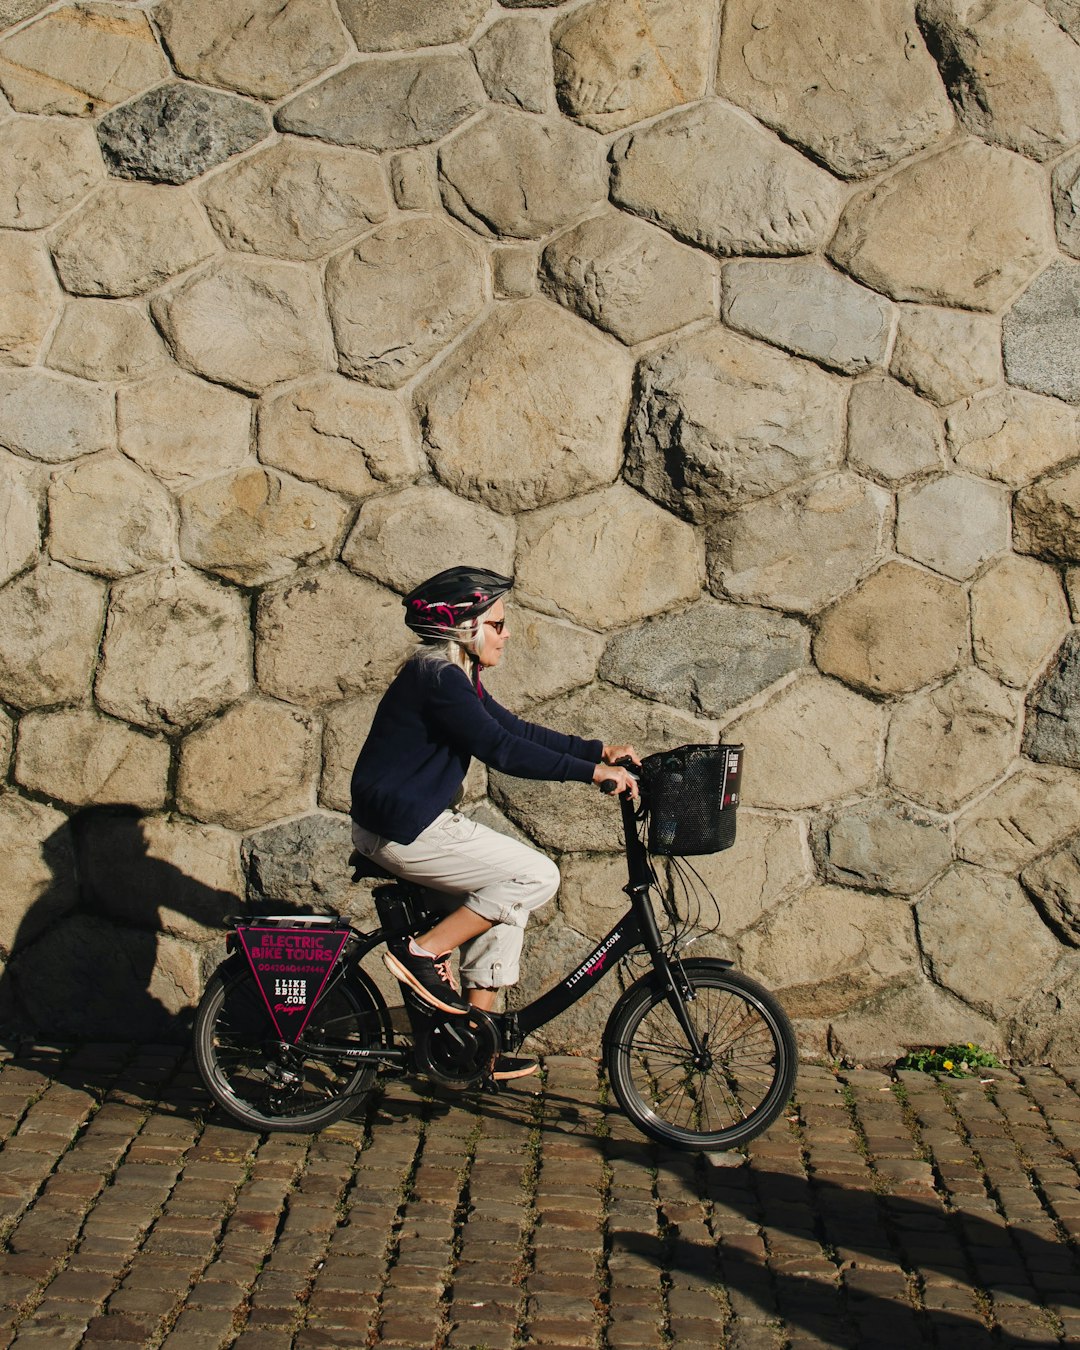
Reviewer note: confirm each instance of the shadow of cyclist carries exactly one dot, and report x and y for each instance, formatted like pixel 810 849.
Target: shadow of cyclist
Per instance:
pixel 888 1246
pixel 118 941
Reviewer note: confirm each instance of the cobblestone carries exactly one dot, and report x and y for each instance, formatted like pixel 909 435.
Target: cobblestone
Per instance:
pixel 881 1209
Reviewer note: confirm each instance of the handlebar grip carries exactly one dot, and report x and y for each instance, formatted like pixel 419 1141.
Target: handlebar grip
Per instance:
pixel 607 787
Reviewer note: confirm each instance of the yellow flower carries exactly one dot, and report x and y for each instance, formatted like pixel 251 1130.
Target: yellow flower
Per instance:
pixel 946 1063
pixel 970 1045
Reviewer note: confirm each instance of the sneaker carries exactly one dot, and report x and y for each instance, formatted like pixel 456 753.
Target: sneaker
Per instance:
pixel 428 976
pixel 511 1066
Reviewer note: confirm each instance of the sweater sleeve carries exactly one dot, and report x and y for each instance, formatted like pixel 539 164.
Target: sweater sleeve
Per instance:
pixel 593 751
pixel 467 722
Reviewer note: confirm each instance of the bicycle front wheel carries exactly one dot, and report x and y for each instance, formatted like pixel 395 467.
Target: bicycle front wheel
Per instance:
pixel 268 1086
pixel 733 1091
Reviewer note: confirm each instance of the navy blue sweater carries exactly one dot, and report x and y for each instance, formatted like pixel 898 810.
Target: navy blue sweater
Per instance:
pixel 429 724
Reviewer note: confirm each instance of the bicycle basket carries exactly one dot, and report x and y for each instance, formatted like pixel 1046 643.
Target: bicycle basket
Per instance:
pixel 691 794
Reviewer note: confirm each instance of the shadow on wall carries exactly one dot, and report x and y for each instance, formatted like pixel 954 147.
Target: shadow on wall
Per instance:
pixel 117 944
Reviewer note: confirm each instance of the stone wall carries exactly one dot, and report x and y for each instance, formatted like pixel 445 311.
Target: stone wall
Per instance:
pixel 754 357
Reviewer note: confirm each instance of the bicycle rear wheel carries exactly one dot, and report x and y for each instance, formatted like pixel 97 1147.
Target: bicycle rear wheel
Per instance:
pixel 735 1092
pixel 270 1087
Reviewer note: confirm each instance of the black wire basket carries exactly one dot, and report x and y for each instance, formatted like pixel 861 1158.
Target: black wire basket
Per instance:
pixel 691 794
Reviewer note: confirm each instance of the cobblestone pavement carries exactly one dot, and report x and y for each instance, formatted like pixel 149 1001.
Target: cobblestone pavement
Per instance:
pixel 881 1211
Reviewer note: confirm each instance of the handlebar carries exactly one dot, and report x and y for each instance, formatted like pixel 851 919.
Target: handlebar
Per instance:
pixel 625 762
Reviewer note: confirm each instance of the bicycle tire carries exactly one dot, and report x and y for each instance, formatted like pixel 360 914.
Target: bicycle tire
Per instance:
pixel 737 1096
pixel 240 1061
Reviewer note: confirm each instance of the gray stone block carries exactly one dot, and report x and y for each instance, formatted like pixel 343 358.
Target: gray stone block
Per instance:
pixel 176 132
pixel 1041 334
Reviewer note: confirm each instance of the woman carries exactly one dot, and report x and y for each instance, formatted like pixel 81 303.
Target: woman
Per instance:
pixel 435 716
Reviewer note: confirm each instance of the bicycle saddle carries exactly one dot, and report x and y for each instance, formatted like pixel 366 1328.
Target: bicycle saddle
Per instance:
pixel 363 868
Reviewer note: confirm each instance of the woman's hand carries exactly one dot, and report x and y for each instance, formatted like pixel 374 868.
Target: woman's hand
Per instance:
pixel 623 781
pixel 613 753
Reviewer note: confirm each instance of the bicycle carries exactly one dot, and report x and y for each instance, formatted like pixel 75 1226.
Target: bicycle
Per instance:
pixel 291 1031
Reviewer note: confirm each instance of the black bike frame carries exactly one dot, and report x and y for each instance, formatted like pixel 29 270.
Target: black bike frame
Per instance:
pixel 637 928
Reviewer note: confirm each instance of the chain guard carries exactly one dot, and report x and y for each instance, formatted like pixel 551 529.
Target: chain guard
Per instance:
pixel 457 1051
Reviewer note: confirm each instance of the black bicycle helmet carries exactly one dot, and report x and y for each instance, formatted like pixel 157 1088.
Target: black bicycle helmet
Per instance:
pixel 446 601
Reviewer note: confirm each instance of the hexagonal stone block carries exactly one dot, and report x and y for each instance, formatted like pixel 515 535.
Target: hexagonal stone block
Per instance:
pixel 297 865
pixel 80 59
pixel 809 310
pixel 901 629
pixel 953 524
pixel 766 867
pixel 77 756
pixel 662 567
pixel 1046 517
pixel 882 845
pixel 1052 884
pixel 227 778
pixel 46 168
pixel 51 620
pixel 254 525
pixel 177 648
pixel 946 354
pixel 714 178
pixel 402 537
pixel 801 548
pixel 545 658
pixel 129 238
pixel 512 174
pixel 628 278
pixel 590 893
pixel 527 410
pixel 619 62
pixel 831 948
pixel 1040 334
pixel 707 659
pixel 965 956
pixel 1039 1034
pixel 861 96
pixel 181 428
pixel 1030 812
pixel 1012 73
pixel 296 199
pixel 29 298
pixel 892 434
pixel 948 743
pixel 1012 436
pixel 1065 194
pixel 345 728
pixel 107 516
pixel 20 516
pixel 966 226
pixel 1018 615
pixel 513 56
pixel 259 47
pixel 356 627
pixel 378 27
pixel 797 760
pixel 719 421
pixel 50 418
pixel 1052 731
pixel 37 869
pixel 177 132
pixel 105 340
pixel 341 435
pixel 400 295
pixel 248 323
pixel 388 102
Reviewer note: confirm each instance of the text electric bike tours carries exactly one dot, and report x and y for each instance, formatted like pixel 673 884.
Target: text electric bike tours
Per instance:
pixel 291 1031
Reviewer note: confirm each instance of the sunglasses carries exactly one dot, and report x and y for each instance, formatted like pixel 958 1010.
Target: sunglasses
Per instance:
pixel 497 624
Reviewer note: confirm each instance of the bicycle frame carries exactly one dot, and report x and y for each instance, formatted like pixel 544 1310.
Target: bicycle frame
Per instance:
pixel 636 928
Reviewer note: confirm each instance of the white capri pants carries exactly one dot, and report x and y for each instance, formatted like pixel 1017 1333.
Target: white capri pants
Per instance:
pixel 496 877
